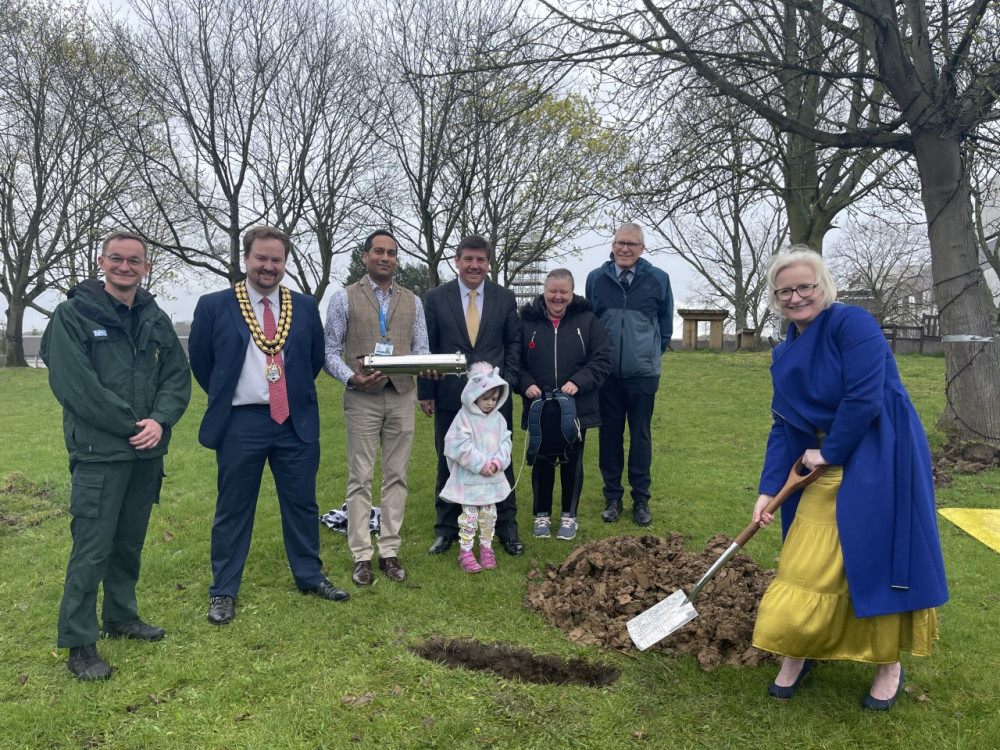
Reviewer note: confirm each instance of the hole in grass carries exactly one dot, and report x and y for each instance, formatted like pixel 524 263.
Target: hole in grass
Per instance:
pixel 514 663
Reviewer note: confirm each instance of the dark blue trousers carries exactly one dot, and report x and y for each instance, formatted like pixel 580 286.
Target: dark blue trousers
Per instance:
pixel 252 438
pixel 628 400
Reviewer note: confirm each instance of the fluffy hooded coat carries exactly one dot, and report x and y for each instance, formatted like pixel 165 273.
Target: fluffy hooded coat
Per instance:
pixel 474 440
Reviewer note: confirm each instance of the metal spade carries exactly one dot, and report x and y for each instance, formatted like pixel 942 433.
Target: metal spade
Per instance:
pixel 662 619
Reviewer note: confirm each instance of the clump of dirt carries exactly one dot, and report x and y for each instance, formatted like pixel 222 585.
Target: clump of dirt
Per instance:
pixel 513 663
pixel 957 457
pixel 605 583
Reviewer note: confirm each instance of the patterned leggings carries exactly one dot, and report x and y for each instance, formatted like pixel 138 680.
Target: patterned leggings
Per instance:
pixel 483 516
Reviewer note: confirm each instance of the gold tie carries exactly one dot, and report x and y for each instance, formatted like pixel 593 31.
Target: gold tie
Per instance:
pixel 472 318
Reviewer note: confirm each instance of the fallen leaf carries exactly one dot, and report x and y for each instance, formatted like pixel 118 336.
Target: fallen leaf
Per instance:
pixel 167 536
pixel 154 700
pixel 242 717
pixel 397 690
pixel 428 723
pixel 22 678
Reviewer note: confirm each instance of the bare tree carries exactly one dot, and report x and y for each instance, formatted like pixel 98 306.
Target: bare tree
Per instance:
pixel 316 162
pixel 450 90
pixel 886 265
pixel 538 175
pixel 210 72
pixel 60 173
pixel 930 74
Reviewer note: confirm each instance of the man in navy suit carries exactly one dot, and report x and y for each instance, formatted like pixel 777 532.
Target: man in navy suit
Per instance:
pixel 474 316
pixel 256 351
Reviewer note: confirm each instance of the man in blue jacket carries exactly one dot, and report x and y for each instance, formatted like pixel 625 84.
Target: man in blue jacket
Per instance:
pixel 256 350
pixel 634 302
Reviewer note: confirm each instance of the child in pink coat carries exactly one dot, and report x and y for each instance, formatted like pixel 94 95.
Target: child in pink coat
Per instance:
pixel 477 447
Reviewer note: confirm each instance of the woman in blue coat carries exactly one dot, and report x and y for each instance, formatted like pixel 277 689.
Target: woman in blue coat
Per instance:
pixel 861 567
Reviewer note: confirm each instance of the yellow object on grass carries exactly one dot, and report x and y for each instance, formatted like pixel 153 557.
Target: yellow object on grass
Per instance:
pixel 984 525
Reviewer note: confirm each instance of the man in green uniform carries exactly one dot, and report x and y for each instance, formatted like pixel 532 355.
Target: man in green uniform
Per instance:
pixel 118 370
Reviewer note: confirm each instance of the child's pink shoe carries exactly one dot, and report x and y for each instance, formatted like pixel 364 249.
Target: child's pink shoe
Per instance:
pixel 486 556
pixel 467 562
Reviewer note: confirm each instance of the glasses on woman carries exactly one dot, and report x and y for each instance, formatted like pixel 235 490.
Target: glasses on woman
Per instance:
pixel 805 291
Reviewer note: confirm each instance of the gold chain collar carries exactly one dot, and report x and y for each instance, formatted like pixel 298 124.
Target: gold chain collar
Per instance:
pixel 266 345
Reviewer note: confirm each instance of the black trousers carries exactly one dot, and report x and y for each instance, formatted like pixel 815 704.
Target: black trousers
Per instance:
pixel 110 503
pixel 543 477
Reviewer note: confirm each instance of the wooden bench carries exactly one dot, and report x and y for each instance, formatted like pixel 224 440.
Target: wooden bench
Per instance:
pixel 928 331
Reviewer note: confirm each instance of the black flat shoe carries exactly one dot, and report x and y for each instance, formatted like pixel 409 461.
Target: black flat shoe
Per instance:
pixel 874 704
pixel 135 629
pixel 512 546
pixel 441 545
pixel 786 693
pixel 327 590
pixel 221 610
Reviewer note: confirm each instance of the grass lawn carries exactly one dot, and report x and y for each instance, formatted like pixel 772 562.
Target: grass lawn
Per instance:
pixel 294 671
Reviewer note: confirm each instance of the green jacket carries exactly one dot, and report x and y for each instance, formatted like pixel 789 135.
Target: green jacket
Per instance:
pixel 107 381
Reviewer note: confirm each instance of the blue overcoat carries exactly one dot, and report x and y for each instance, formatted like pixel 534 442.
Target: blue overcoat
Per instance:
pixel 839 378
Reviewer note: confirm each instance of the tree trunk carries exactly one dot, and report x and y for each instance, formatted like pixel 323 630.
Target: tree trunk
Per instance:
pixel 15 338
pixel 964 301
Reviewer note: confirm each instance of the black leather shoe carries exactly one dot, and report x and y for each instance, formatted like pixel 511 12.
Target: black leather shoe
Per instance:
pixel 786 693
pixel 612 511
pixel 221 610
pixel 874 704
pixel 135 629
pixel 441 545
pixel 640 513
pixel 512 546
pixel 362 575
pixel 86 663
pixel 327 590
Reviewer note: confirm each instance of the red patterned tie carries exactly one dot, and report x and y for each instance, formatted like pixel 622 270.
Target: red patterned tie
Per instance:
pixel 279 395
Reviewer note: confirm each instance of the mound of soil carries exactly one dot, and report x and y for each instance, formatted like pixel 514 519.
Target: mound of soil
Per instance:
pixel 957 457
pixel 603 584
pixel 514 663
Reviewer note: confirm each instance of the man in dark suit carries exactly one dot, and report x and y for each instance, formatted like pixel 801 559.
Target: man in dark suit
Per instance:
pixel 478 318
pixel 258 370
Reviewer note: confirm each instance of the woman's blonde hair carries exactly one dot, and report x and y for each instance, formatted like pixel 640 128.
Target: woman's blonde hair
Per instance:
pixel 801 255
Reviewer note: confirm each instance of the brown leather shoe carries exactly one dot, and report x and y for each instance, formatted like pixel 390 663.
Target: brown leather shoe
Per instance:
pixel 391 567
pixel 362 575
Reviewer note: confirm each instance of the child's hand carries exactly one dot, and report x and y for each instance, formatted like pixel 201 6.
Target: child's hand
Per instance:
pixel 488 470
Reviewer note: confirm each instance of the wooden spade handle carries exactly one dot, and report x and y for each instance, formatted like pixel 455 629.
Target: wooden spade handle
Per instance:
pixel 796 481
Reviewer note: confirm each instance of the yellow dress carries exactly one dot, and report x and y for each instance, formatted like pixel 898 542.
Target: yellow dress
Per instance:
pixel 806 612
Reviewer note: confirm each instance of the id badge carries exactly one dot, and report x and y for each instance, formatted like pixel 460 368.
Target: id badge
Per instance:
pixel 384 348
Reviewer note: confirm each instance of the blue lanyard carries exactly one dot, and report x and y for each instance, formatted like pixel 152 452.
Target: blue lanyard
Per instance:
pixel 382 317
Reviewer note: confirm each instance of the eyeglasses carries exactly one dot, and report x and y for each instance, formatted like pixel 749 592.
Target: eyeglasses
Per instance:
pixel 805 291
pixel 117 260
pixel 629 245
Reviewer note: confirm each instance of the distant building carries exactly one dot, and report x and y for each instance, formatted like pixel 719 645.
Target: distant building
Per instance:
pixel 529 283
